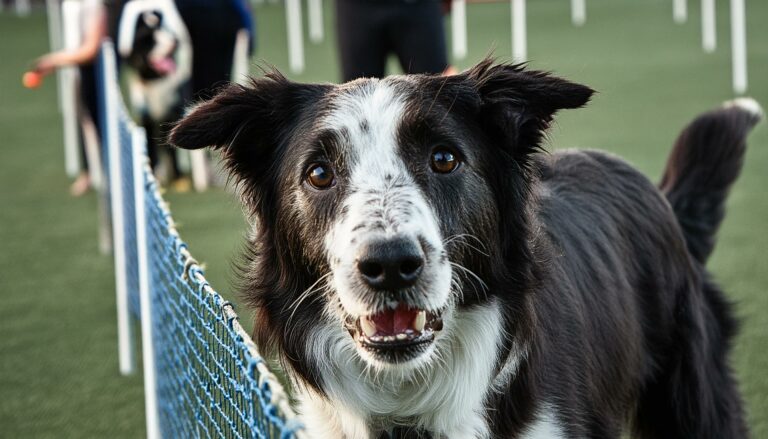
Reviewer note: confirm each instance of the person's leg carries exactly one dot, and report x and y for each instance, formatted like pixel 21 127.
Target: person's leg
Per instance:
pixel 418 37
pixel 361 38
pixel 89 106
pixel 212 31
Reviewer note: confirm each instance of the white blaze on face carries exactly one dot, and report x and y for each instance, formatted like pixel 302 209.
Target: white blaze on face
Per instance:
pixel 381 198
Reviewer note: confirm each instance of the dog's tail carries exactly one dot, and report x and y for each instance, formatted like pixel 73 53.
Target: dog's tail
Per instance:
pixel 705 161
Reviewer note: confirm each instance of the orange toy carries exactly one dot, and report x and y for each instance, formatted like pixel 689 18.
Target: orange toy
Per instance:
pixel 32 79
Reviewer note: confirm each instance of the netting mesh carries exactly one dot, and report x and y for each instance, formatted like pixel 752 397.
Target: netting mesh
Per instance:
pixel 210 380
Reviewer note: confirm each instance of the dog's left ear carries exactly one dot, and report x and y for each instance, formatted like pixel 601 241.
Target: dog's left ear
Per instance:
pixel 519 104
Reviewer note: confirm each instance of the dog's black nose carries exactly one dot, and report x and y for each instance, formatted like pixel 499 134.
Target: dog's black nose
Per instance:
pixel 390 264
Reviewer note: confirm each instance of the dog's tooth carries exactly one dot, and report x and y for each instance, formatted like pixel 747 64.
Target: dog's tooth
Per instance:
pixel 420 321
pixel 401 336
pixel 368 327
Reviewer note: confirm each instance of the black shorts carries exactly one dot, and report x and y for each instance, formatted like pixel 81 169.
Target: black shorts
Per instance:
pixel 369 30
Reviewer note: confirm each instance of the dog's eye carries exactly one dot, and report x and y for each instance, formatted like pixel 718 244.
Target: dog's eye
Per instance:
pixel 444 161
pixel 320 176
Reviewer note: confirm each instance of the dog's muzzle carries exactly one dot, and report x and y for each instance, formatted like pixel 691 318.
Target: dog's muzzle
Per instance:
pixel 391 269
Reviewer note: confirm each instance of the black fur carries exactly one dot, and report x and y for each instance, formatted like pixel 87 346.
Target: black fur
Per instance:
pixel 597 275
pixel 703 165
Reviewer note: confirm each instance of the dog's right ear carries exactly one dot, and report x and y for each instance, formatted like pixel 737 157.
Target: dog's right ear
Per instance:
pixel 263 107
pixel 248 122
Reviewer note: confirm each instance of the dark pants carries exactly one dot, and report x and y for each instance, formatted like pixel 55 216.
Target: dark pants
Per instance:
pixel 213 30
pixel 90 100
pixel 369 30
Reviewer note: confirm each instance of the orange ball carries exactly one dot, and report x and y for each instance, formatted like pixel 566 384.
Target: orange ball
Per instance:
pixel 32 79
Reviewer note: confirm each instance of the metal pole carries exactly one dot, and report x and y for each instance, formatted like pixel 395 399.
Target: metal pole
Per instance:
pixel 240 61
pixel 295 38
pixel 316 21
pixel 23 8
pixel 680 11
pixel 708 26
pixel 70 11
pixel 459 28
pixel 519 37
pixel 578 12
pixel 125 347
pixel 739 46
pixel 138 140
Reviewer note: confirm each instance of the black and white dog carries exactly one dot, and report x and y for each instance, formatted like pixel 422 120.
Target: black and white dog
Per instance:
pixel 423 269
pixel 155 45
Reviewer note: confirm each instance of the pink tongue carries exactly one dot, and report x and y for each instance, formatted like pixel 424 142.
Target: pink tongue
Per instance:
pixel 164 66
pixel 392 322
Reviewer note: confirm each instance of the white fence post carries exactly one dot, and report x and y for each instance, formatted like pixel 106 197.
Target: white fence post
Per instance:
pixel 316 21
pixel 295 37
pixel 578 12
pixel 138 140
pixel 708 26
pixel 680 11
pixel 198 162
pixel 112 136
pixel 53 11
pixel 240 60
pixel 739 46
pixel 459 28
pixel 23 8
pixel 70 12
pixel 519 33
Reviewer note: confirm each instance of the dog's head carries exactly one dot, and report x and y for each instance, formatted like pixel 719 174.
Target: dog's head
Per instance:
pixel 382 206
pixel 154 46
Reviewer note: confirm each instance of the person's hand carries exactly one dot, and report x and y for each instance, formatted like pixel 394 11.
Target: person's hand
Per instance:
pixel 47 64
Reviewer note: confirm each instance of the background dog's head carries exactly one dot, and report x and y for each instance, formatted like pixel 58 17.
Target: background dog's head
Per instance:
pixel 383 207
pixel 154 46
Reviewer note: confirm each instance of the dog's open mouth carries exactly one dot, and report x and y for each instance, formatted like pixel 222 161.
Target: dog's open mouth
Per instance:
pixel 397 334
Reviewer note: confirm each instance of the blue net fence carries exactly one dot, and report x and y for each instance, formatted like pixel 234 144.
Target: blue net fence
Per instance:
pixel 204 376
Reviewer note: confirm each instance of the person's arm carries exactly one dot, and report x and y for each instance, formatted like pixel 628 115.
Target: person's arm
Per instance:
pixel 87 51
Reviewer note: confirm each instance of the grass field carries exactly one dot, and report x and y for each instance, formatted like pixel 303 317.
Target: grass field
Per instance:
pixel 58 353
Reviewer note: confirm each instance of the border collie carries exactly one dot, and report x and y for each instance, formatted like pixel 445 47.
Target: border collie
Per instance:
pixel 424 269
pixel 154 43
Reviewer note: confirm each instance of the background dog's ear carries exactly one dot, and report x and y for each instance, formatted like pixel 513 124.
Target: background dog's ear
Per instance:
pixel 520 103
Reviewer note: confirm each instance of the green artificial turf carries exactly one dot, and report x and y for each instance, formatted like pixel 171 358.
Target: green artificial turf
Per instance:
pixel 58 351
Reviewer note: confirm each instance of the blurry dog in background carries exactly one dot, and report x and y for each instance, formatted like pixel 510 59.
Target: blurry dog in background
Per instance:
pixel 154 43
pixel 425 270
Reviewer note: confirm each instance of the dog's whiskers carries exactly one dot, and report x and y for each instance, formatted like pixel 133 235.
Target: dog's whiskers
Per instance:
pixel 462 240
pixel 471 275
pixel 306 293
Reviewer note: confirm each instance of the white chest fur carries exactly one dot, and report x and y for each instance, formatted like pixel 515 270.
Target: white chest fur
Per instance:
pixel 443 394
